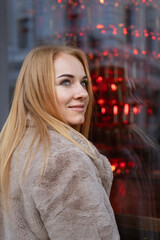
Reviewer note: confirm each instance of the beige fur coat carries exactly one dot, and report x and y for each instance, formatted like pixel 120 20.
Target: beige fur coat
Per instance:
pixel 69 202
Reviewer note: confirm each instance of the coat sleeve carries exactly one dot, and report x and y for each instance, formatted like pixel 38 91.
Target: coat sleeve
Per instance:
pixel 72 202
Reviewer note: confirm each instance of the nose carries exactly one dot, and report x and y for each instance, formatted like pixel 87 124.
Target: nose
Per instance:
pixel 80 92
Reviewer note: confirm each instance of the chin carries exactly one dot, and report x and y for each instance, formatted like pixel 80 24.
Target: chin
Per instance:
pixel 75 123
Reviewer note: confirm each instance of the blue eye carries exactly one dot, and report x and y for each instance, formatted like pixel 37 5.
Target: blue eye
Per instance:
pixel 65 83
pixel 84 83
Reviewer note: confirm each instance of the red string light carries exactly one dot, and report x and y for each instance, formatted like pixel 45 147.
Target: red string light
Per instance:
pixel 103 31
pixel 124 31
pixel 101 101
pixel 126 109
pixel 150 111
pixel 135 51
pixel 99 26
pixel 122 164
pixel 115 109
pixel 135 110
pixel 103 110
pixel 99 79
pixel 113 87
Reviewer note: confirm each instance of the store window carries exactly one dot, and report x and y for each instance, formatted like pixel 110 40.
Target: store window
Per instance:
pixel 122 41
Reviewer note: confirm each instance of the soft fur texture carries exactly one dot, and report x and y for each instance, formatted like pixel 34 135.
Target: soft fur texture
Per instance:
pixel 69 202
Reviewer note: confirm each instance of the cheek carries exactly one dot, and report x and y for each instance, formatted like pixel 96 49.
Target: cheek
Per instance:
pixel 61 97
pixel 87 101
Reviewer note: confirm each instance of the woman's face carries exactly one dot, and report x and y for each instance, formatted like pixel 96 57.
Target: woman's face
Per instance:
pixel 71 88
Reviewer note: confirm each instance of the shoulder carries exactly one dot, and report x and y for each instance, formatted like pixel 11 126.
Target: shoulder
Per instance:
pixel 66 154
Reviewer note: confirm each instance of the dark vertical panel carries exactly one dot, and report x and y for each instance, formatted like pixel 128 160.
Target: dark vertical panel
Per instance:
pixel 4 84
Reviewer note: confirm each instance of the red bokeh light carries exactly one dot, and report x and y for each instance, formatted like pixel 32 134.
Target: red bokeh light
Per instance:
pixel 113 87
pixel 103 110
pixel 101 101
pixel 143 52
pixel 124 31
pixel 135 51
pixel 135 110
pixel 99 26
pixel 99 79
pixel 103 31
pixel 122 164
pixel 115 109
pixel 126 109
pixel 150 110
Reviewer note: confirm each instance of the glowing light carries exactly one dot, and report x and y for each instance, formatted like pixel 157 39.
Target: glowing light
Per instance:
pixel 143 52
pixel 126 109
pixel 103 110
pixel 144 1
pixel 114 166
pixel 115 109
pixel 113 87
pixel 116 4
pixel 59 1
pixel 135 51
pixel 103 31
pixel 99 79
pixel 101 1
pixel 122 164
pixel 121 25
pixel 136 33
pixel 95 88
pixel 114 31
pixel 90 55
pixel 159 39
pixel 118 171
pixel 153 37
pixel 120 79
pixel 124 31
pixel 81 34
pixel 82 6
pixel 131 164
pixel 101 101
pixel 99 26
pixel 146 34
pixel 113 101
pixel 158 55
pixel 135 110
pixel 105 53
pixel 150 111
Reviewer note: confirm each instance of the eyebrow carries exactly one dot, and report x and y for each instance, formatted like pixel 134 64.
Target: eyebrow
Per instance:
pixel 70 76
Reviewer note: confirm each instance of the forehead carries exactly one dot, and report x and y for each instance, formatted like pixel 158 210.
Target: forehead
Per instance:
pixel 65 63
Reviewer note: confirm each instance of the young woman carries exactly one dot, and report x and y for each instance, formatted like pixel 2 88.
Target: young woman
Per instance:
pixel 54 183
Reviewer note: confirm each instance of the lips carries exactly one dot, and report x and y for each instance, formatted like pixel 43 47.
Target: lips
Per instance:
pixel 77 108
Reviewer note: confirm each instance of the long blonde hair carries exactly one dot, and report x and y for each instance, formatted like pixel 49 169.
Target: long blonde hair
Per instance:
pixel 35 94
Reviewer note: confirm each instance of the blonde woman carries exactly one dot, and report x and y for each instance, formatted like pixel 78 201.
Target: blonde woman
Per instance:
pixel 54 183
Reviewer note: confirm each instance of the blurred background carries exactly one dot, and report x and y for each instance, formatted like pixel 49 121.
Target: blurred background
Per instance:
pixel 122 41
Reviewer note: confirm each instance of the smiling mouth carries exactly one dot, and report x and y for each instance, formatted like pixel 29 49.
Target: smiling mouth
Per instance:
pixel 77 108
